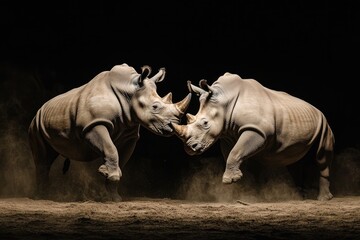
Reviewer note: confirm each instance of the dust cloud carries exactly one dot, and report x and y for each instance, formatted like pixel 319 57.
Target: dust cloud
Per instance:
pixel 16 178
pixel 18 92
pixel 346 172
pixel 158 172
pixel 270 184
pixel 205 184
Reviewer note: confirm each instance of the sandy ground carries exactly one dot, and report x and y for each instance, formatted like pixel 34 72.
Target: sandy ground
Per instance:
pixel 147 218
pixel 181 201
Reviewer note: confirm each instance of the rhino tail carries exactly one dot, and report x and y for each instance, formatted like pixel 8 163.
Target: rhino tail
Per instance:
pixel 66 165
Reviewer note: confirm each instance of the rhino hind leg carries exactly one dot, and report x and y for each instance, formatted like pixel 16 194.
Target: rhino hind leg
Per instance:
pixel 324 181
pixel 324 158
pixel 44 156
pixel 324 189
pixel 112 189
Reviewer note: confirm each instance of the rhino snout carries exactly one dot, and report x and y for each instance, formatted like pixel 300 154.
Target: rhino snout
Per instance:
pixel 193 148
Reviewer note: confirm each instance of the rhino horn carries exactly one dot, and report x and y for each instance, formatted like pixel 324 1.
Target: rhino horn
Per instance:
pixel 179 129
pixel 190 118
pixel 183 104
pixel 159 76
pixel 167 98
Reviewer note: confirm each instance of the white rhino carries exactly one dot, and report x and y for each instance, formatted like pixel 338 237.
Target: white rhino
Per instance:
pixel 101 119
pixel 253 121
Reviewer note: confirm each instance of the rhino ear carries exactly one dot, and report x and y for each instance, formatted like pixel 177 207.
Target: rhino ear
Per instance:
pixel 194 89
pixel 145 72
pixel 159 76
pixel 162 72
pixel 203 84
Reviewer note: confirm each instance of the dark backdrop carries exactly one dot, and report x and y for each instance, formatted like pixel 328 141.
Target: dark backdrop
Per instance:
pixel 308 49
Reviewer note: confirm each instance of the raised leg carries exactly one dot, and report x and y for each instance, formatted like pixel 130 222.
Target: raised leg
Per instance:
pixel 248 144
pixel 99 138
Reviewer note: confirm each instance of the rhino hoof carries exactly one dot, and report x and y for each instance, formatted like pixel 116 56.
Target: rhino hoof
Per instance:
pixel 112 188
pixel 226 180
pixel 325 197
pixel 112 175
pixel 116 198
pixel 230 177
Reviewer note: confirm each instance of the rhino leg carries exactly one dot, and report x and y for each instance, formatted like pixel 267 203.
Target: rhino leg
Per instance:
pixel 248 144
pixel 127 145
pixel 112 189
pixel 324 157
pixel 99 138
pixel 225 147
pixel 44 156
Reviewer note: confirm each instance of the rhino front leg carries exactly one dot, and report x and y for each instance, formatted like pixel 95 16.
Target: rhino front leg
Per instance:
pixel 125 151
pixel 99 138
pixel 248 144
pixel 127 145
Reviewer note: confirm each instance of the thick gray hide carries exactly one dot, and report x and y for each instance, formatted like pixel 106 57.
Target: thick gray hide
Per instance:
pixel 254 121
pixel 101 119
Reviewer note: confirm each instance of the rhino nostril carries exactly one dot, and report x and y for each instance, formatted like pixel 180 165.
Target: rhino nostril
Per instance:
pixel 193 146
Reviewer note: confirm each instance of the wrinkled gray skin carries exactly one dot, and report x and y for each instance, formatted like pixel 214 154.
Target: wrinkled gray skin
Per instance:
pixel 101 119
pixel 254 121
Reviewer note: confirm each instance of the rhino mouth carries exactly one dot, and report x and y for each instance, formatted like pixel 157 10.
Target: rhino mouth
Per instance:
pixel 194 148
pixel 162 129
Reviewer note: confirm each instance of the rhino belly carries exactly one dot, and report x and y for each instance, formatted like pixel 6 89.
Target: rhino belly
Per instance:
pixel 284 156
pixel 73 148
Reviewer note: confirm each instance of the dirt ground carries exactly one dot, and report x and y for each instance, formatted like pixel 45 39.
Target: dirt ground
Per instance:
pixel 147 218
pixel 168 200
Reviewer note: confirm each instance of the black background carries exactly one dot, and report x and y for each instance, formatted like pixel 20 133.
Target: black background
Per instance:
pixel 306 48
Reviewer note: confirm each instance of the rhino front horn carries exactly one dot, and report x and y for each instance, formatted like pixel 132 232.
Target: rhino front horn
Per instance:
pixel 183 104
pixel 179 129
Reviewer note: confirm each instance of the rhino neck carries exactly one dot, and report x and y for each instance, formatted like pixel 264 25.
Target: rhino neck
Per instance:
pixel 124 98
pixel 230 108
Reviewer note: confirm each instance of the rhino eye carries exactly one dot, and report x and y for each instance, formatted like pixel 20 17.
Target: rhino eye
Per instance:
pixel 205 123
pixel 156 107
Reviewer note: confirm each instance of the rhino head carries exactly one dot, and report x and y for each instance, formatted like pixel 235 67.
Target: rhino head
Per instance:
pixel 203 129
pixel 154 112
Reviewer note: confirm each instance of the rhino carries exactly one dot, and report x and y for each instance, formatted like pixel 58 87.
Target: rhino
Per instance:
pixel 101 120
pixel 252 121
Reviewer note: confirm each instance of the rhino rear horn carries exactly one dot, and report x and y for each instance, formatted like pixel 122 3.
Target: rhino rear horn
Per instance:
pixel 190 118
pixel 183 104
pixel 167 98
